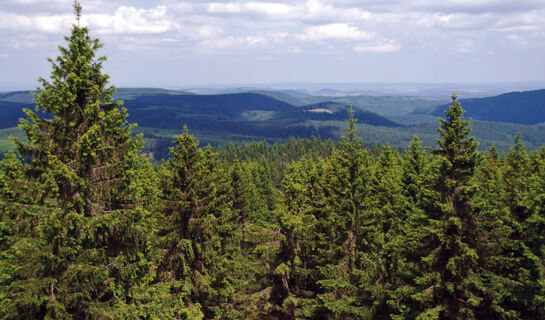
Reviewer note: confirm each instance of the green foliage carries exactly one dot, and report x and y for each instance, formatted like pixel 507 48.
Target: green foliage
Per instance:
pixel 81 196
pixel 305 229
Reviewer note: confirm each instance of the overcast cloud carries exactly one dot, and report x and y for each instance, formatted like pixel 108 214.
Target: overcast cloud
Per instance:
pixel 180 44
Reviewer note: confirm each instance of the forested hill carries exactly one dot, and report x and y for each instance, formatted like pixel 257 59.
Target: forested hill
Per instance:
pixel 220 118
pixel 159 108
pixel 527 107
pixel 215 118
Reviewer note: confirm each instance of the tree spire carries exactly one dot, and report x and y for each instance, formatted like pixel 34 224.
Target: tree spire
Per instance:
pixel 77 10
pixel 351 130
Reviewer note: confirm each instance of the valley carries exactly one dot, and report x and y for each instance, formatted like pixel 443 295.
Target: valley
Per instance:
pixel 239 115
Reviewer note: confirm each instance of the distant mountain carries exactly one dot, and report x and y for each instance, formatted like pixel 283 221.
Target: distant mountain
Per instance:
pixel 289 96
pixel 220 106
pixel 527 107
pixel 216 118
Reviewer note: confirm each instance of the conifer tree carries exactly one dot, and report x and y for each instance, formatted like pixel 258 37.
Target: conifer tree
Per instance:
pixel 523 197
pixel 533 237
pixel 195 206
pixel 393 226
pixel 249 235
pixel 87 249
pixel 415 239
pixel 303 227
pixel 454 261
pixel 14 225
pixel 517 171
pixel 348 248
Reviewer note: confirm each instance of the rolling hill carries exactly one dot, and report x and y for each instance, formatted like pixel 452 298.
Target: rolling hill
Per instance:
pixel 265 115
pixel 527 107
pixel 215 118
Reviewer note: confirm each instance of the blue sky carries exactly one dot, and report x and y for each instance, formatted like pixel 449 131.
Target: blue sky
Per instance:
pixel 178 44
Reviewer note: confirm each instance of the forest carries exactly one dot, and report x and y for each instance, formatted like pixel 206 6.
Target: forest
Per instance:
pixel 91 228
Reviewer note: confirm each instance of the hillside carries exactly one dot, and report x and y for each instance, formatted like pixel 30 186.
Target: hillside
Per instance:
pixel 214 118
pixel 527 107
pixel 248 116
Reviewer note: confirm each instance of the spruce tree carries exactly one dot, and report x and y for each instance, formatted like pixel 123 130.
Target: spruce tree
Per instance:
pixel 87 250
pixel 393 226
pixel 194 210
pixel 415 238
pixel 533 236
pixel 303 227
pixel 454 261
pixel 348 245
pixel 523 183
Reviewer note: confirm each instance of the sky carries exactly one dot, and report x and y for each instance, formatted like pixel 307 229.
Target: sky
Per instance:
pixel 188 43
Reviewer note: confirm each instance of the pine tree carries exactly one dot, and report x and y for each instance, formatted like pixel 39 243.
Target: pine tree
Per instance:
pixel 87 250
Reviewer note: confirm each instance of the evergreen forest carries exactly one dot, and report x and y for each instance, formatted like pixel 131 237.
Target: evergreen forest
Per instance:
pixel 91 228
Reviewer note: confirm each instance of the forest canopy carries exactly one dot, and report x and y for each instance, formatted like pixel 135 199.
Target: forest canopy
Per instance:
pixel 307 229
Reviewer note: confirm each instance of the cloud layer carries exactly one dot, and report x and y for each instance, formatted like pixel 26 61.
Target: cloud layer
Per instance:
pixel 391 32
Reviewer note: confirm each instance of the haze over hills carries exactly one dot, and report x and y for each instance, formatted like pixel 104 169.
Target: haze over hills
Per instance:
pixel 378 89
pixel 235 116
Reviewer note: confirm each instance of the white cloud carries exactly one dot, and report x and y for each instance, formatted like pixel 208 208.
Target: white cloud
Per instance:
pixel 128 20
pixel 45 24
pixel 390 46
pixel 266 8
pixel 231 43
pixel 517 39
pixel 465 45
pixel 38 2
pixel 335 31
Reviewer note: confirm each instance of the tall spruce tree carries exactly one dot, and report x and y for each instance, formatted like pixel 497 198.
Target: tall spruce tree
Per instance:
pixel 415 238
pixel 87 248
pixel 454 261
